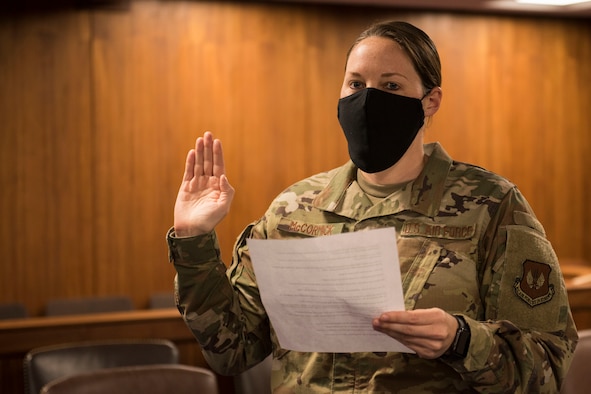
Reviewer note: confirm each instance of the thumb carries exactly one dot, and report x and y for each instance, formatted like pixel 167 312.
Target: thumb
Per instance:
pixel 225 186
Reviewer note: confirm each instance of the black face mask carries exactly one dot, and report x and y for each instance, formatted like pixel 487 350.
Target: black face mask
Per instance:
pixel 379 127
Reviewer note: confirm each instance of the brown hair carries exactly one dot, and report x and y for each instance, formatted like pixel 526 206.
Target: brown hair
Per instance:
pixel 416 43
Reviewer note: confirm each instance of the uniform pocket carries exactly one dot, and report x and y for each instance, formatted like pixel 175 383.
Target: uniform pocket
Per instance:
pixel 440 276
pixel 417 259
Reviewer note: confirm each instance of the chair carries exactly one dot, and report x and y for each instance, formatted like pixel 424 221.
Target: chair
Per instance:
pixel 578 378
pixel 153 379
pixel 256 380
pixel 14 310
pixel 44 364
pixel 77 306
pixel 162 300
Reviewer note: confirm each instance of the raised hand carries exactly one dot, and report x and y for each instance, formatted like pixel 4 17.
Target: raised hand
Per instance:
pixel 205 194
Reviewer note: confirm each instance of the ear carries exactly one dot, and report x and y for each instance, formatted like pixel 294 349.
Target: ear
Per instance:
pixel 432 102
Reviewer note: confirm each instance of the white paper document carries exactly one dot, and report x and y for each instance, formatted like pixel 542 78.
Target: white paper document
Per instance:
pixel 322 293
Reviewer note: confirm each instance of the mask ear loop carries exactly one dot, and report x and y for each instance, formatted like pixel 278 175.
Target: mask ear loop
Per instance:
pixel 426 94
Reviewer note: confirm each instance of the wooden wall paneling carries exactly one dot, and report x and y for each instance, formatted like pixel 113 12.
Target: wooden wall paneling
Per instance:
pixel 558 141
pixel 568 108
pixel 137 86
pixel 46 179
pixel 135 83
pixel 252 65
pixel 273 102
pixel 11 279
pixel 522 116
pixel 463 122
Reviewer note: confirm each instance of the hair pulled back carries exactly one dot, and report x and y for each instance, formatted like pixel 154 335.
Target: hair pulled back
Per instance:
pixel 415 43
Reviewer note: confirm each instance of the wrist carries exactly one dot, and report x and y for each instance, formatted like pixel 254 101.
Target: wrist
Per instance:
pixel 188 232
pixel 179 233
pixel 461 342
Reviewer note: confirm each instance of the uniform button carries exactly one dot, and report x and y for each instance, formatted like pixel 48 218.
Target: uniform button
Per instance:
pixel 299 380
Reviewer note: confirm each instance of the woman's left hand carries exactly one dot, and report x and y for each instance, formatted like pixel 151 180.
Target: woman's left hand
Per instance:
pixel 429 332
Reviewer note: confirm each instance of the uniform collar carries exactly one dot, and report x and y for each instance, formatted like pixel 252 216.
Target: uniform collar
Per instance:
pixel 343 196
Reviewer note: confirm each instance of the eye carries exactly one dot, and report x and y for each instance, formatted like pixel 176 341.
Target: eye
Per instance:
pixel 356 85
pixel 392 86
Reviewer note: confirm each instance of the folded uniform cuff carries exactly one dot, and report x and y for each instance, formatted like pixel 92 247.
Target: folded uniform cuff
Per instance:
pixel 192 250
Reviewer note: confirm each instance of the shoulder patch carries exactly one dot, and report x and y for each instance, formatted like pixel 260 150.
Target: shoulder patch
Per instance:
pixel 534 286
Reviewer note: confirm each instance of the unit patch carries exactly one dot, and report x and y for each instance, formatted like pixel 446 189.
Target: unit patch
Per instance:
pixel 534 286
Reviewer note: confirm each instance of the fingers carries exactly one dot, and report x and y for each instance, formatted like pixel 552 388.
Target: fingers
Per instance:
pixel 189 166
pixel 198 165
pixel 424 323
pixel 429 332
pixel 427 340
pixel 415 317
pixel 219 168
pixel 207 154
pixel 209 158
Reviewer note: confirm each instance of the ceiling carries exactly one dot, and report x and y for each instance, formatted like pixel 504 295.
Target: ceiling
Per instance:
pixel 582 10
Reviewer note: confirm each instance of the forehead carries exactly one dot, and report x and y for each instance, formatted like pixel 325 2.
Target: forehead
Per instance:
pixel 381 55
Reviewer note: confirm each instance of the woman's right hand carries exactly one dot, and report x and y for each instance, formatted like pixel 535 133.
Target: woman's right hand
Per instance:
pixel 205 195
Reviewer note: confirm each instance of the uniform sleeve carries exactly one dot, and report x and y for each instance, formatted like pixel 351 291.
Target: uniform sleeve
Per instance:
pixel 221 307
pixel 526 342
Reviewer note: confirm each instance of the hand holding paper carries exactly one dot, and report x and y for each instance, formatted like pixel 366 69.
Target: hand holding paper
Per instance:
pixel 322 293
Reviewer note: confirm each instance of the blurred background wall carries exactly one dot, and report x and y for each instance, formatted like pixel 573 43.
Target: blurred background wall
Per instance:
pixel 99 105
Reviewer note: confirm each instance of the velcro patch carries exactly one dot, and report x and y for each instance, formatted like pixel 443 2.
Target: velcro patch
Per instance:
pixel 437 230
pixel 534 286
pixel 310 229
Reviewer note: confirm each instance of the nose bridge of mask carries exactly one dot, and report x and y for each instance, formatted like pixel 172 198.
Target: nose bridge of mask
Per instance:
pixel 378 105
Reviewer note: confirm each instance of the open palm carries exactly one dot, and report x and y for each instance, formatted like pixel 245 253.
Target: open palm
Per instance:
pixel 205 195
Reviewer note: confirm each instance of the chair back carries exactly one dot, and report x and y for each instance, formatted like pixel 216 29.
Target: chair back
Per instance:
pixel 153 379
pixel 162 300
pixel 578 378
pixel 14 310
pixel 79 306
pixel 42 365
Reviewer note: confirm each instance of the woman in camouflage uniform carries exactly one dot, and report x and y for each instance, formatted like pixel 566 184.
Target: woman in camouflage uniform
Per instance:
pixel 486 305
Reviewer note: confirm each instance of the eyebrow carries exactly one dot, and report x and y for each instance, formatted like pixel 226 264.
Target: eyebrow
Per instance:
pixel 356 74
pixel 393 74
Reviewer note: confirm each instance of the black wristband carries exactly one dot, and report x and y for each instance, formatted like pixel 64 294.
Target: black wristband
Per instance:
pixel 461 343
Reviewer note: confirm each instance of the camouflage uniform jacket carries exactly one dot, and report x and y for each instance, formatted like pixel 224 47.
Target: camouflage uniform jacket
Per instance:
pixel 468 243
